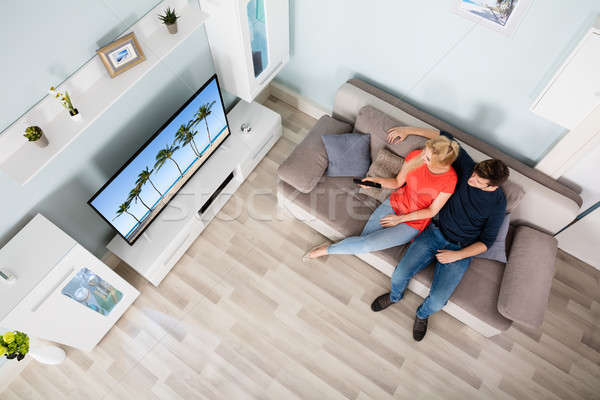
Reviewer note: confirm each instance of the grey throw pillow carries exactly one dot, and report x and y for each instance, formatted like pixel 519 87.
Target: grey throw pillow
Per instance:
pixel 348 154
pixel 514 193
pixel 385 165
pixel 497 251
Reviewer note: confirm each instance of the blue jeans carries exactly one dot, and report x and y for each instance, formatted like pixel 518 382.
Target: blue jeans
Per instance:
pixel 375 237
pixel 446 277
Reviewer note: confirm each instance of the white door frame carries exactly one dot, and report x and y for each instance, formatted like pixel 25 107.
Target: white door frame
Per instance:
pixel 572 147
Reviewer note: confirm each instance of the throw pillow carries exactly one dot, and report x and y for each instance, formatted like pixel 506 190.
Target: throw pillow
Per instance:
pixel 371 120
pixel 497 251
pixel 348 154
pixel 514 194
pixel 386 165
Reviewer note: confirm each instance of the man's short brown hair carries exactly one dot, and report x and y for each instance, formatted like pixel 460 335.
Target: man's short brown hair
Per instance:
pixel 493 170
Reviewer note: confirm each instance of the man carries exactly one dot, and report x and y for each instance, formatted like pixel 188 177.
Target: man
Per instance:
pixel 466 226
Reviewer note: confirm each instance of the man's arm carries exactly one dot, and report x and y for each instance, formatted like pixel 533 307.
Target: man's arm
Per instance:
pixel 448 256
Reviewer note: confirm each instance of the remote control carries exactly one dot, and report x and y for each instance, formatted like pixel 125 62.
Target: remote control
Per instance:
pixel 359 181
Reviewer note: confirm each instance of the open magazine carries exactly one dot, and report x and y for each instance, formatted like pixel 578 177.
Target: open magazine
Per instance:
pixel 92 291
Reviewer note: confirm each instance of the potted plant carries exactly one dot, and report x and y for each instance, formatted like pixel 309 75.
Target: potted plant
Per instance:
pixel 36 135
pixel 14 344
pixel 66 102
pixel 169 18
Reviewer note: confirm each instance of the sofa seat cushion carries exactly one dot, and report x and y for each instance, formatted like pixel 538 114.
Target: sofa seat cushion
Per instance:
pixel 335 201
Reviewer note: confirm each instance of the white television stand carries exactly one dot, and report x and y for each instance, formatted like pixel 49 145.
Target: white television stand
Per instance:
pixel 168 237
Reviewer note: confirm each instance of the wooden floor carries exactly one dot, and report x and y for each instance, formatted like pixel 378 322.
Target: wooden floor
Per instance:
pixel 240 316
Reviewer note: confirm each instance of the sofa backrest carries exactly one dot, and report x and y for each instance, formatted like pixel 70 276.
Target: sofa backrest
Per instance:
pixel 547 204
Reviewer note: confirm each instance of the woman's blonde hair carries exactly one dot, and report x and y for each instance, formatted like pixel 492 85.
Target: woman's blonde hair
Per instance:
pixel 444 150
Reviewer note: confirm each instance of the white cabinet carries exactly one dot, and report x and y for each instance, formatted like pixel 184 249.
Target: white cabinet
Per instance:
pixel 44 260
pixel 249 41
pixel 180 223
pixel 574 91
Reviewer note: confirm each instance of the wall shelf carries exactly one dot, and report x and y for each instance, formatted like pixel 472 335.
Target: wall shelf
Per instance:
pixel 93 93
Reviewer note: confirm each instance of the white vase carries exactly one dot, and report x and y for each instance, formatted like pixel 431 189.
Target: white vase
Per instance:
pixel 75 117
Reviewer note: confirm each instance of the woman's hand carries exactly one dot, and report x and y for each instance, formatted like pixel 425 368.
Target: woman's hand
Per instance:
pixel 390 220
pixel 370 179
pixel 397 134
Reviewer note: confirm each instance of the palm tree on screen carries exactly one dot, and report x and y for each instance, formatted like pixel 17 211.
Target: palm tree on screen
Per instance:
pixel 144 177
pixel 134 194
pixel 203 112
pixel 124 208
pixel 185 136
pixel 167 154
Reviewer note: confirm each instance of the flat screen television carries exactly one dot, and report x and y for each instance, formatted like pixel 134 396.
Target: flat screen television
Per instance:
pixel 142 188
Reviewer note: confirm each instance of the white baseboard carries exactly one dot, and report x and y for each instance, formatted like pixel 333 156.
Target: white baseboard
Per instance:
pixel 297 101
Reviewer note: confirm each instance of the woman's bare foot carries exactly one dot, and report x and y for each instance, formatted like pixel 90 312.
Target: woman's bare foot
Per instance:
pixel 318 252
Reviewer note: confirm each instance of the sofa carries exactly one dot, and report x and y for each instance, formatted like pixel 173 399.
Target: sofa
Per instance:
pixel 492 294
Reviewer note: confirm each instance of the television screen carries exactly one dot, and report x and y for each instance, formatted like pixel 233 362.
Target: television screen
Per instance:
pixel 141 189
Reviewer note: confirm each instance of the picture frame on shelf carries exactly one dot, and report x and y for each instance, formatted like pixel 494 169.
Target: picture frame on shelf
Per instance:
pixel 500 15
pixel 121 55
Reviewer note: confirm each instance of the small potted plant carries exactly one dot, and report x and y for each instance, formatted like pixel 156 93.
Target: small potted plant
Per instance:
pixel 14 344
pixel 66 102
pixel 36 134
pixel 169 18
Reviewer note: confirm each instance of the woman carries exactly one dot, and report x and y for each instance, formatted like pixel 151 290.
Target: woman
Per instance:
pixel 424 184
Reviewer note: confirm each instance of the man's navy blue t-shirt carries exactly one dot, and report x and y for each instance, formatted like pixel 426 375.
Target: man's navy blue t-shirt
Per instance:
pixel 471 214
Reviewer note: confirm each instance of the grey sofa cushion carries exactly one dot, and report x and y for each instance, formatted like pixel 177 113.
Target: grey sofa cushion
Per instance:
pixel 514 194
pixel 307 163
pixel 385 165
pixel 497 250
pixel 377 123
pixel 335 201
pixel 528 276
pixel 347 154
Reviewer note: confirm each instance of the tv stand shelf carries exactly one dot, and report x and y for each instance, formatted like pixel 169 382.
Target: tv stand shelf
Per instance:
pixel 168 237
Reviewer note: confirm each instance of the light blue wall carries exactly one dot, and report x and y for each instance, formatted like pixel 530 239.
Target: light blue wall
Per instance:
pixel 62 189
pixel 475 78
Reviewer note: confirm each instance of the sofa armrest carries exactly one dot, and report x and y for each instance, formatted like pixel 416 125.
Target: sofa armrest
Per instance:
pixel 528 277
pixel 305 166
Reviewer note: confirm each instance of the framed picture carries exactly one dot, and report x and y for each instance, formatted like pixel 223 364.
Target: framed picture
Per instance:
pixel 121 54
pixel 501 15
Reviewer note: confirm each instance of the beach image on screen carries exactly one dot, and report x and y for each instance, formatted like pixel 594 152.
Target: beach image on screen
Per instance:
pixel 135 196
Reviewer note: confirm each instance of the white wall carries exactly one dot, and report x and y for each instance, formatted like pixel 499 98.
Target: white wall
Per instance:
pixel 475 78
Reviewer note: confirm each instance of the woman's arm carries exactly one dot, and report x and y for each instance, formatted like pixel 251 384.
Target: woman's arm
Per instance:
pixel 429 212
pixel 398 181
pixel 399 133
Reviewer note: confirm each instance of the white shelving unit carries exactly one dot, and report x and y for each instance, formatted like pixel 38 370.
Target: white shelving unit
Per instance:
pixel 93 92
pixel 249 41
pixel 168 237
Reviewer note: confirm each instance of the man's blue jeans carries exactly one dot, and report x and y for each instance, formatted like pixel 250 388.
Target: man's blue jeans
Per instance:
pixel 419 255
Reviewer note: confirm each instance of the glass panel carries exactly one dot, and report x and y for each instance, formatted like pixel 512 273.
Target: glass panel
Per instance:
pixel 258 35
pixel 45 42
